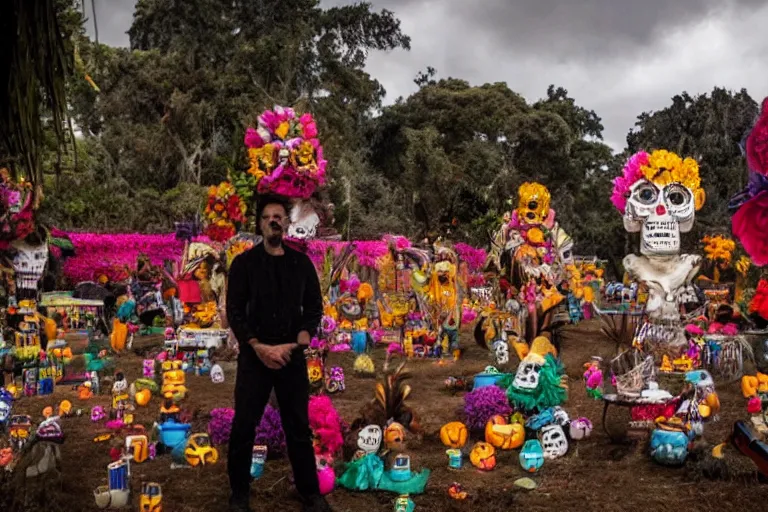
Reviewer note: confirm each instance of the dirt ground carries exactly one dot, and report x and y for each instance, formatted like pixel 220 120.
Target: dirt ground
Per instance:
pixel 595 475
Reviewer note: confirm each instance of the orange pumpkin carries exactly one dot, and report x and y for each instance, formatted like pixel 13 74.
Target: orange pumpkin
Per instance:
pixel 503 435
pixel 483 456
pixel 454 434
pixel 143 397
pixel 394 436
pixel 749 386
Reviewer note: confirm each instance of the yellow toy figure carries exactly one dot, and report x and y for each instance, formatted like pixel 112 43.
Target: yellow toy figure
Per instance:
pixel 443 294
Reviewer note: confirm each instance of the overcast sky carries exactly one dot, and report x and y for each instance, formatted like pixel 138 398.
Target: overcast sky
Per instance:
pixel 618 57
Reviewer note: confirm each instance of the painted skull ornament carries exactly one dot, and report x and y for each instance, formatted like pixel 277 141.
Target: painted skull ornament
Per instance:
pixel 304 221
pixel 501 351
pixel 527 376
pixel 29 264
pixel 553 441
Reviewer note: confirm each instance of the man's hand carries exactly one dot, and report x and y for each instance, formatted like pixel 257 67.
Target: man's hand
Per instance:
pixel 304 339
pixel 274 357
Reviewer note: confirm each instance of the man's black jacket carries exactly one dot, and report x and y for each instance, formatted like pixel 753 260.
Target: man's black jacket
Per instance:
pixel 272 298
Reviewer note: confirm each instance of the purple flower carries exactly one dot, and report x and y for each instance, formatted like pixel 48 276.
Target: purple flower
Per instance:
pixel 270 432
pixel 220 426
pixel 482 404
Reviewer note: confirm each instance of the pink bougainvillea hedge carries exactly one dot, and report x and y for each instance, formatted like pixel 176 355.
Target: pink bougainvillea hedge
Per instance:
pixel 114 254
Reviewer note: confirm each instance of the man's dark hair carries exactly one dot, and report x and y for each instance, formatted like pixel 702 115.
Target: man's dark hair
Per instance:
pixel 265 200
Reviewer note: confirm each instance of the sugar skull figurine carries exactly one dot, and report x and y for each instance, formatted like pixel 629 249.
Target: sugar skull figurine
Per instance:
pixel 29 265
pixel 538 381
pixel 334 382
pixel 553 441
pixel 658 196
pixel 217 374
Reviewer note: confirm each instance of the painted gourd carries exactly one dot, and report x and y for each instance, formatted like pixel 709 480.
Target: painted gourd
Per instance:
pixel 503 435
pixel 143 397
pixel 454 434
pixel 532 456
pixel 483 456
pixel 394 435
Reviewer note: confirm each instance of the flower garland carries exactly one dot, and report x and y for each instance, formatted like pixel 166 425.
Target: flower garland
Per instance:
pixel 285 155
pixel 225 212
pixel 660 167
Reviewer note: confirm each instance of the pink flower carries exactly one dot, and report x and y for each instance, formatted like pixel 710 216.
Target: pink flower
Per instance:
pixel 631 174
pixel 306 118
pixel 310 130
pixel 474 257
pixel 757 143
pixel 750 224
pixel 253 139
pixel 694 329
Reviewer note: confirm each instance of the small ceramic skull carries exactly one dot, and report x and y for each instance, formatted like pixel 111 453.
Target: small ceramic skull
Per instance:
pixel 527 376
pixel 660 214
pixel 217 374
pixel 29 264
pixel 554 441
pixel 501 351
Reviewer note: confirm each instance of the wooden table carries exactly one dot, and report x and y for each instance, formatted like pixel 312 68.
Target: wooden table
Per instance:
pixel 627 401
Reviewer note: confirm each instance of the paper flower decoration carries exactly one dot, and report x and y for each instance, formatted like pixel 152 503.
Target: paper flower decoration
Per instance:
pixel 757 143
pixel 750 224
pixel 17 218
pixel 285 156
pixel 718 248
pixel 225 212
pixel 484 403
pixel 270 433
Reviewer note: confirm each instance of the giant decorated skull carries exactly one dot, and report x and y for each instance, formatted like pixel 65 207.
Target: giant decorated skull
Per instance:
pixel 659 194
pixel 660 214
pixel 29 264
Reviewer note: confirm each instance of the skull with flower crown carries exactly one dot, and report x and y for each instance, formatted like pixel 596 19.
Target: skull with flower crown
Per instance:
pixel 659 194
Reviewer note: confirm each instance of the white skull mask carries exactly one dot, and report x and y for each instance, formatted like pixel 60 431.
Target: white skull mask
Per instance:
pixel 660 214
pixel 554 441
pixel 304 222
pixel 217 374
pixel 29 264
pixel 527 376
pixel 501 351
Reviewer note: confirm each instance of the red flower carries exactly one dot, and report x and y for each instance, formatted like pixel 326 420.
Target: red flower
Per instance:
pixel 759 302
pixel 750 224
pixel 757 143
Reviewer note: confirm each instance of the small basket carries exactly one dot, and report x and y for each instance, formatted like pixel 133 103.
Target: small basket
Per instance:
pixel 632 370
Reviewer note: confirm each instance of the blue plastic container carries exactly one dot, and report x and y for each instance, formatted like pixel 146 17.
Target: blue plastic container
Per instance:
pixel 173 434
pixel 487 379
pixel 359 341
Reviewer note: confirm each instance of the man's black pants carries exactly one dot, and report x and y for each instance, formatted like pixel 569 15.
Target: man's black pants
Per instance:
pixel 252 390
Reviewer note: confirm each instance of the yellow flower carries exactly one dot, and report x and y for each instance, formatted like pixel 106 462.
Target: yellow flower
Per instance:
pixel 742 265
pixel 535 236
pixel 718 248
pixel 262 160
pixel 282 130
pixel 665 167
pixel 304 156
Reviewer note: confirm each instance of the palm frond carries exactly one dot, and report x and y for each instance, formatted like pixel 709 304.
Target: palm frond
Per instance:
pixel 35 60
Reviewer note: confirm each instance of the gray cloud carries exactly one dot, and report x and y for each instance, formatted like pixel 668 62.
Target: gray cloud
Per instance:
pixel 618 57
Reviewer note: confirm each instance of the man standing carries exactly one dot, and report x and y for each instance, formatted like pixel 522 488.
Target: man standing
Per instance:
pixel 274 305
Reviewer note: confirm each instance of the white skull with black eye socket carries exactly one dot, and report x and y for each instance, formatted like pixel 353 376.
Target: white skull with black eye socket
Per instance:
pixel 660 214
pixel 501 351
pixel 527 376
pixel 29 264
pixel 553 441
pixel 304 221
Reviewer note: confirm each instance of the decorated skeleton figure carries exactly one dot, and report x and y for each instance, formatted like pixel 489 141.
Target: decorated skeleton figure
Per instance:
pixel 29 266
pixel 658 195
pixel 554 441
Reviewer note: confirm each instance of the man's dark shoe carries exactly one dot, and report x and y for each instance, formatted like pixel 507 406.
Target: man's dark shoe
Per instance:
pixel 316 504
pixel 237 504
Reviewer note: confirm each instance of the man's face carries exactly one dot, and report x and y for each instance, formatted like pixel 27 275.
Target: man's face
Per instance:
pixel 273 223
